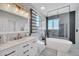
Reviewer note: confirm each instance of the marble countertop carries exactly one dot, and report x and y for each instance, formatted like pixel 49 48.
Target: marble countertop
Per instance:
pixel 15 42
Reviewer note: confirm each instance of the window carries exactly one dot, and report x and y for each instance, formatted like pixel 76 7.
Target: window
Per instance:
pixel 53 24
pixel 35 20
pixel 50 24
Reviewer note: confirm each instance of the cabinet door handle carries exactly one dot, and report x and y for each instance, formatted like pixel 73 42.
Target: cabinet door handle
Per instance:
pixel 10 53
pixel 27 55
pixel 25 51
pixel 25 45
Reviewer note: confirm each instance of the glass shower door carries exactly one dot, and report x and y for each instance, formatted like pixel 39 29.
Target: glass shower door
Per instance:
pixel 58 23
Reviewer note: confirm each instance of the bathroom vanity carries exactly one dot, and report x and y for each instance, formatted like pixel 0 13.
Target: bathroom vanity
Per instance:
pixel 25 46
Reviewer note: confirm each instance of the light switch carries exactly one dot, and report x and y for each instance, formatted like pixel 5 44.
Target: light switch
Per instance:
pixel 76 30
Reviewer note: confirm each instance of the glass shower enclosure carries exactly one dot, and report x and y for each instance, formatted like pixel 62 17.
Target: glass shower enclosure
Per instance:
pixel 58 23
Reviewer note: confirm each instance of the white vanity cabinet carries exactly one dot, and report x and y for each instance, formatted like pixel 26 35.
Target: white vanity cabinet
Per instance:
pixel 33 48
pixel 27 48
pixel 24 49
pixel 30 48
pixel 9 52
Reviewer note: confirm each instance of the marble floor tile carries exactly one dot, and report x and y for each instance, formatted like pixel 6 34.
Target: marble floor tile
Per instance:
pixel 74 51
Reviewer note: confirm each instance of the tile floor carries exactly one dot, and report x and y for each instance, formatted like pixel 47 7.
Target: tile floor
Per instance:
pixel 74 51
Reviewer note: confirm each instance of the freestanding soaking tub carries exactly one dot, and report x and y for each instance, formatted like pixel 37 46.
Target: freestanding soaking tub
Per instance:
pixel 60 45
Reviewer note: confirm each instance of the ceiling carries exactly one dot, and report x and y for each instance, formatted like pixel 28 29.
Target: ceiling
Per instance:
pixel 53 6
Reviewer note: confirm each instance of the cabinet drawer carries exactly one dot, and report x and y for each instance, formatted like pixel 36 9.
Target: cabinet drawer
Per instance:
pixel 33 41
pixel 25 45
pixel 24 49
pixel 26 53
pixel 8 52
pixel 33 50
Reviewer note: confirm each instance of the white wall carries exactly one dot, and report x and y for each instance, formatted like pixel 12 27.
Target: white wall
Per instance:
pixel 77 26
pixel 10 22
pixel 43 19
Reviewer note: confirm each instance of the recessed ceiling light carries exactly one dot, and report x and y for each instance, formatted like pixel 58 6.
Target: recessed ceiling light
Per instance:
pixel 8 5
pixel 43 8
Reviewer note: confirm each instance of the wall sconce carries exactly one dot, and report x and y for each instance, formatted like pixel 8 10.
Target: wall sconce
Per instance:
pixel 17 9
pixel 22 12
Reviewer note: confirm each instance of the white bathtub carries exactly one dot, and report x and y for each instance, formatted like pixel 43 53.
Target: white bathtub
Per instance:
pixel 60 45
